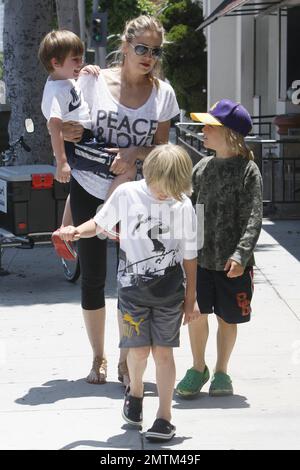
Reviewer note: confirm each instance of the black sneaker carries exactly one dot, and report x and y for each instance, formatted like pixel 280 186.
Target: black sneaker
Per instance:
pixel 132 409
pixel 161 430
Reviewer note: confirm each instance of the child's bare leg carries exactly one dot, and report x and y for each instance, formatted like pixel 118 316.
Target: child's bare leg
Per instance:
pixel 198 332
pixel 137 362
pixel 67 215
pixel 122 365
pixel 120 179
pixel 165 379
pixel 226 338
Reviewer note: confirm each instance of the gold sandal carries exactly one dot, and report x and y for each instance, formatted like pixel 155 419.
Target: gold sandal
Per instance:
pixel 98 373
pixel 123 373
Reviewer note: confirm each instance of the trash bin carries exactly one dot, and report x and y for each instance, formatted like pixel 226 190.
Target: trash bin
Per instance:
pixel 31 201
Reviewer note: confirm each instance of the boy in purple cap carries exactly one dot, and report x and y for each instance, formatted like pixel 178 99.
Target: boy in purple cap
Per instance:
pixel 229 186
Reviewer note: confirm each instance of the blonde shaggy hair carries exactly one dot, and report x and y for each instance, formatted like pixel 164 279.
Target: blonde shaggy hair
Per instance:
pixel 237 143
pixel 133 29
pixel 169 167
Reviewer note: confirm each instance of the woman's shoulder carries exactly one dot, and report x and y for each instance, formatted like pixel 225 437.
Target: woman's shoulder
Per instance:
pixel 105 74
pixel 111 74
pixel 164 86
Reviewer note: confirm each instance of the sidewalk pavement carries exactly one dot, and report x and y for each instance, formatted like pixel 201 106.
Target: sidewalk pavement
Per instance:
pixel 44 356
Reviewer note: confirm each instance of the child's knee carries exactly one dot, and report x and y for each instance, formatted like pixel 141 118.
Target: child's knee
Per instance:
pixel 162 355
pixel 199 323
pixel 140 354
pixel 223 324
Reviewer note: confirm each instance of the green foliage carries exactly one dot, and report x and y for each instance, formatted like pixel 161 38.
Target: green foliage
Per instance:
pixel 185 58
pixel 181 11
pixel 1 66
pixel 118 13
pixel 88 11
pixel 121 11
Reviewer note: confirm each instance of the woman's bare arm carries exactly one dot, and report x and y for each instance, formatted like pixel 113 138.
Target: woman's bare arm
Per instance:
pixel 126 157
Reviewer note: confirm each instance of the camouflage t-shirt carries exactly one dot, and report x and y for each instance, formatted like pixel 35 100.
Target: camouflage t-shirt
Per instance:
pixel 231 191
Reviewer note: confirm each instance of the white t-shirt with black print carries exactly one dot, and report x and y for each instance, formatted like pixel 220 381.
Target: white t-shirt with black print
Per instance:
pixel 120 126
pixel 155 237
pixel 63 99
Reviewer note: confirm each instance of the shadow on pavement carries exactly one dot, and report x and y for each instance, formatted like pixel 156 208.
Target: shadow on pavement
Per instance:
pixel 36 277
pixel 165 445
pixel 127 440
pixel 56 390
pixel 286 233
pixel 204 401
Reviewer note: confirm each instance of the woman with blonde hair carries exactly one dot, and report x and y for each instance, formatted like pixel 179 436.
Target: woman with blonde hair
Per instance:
pixel 131 111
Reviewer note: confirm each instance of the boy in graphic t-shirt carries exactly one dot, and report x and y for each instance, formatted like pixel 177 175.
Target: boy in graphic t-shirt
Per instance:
pixel 158 244
pixel 61 54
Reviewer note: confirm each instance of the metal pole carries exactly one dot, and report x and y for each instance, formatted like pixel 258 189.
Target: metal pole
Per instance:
pixel 100 52
pixel 81 11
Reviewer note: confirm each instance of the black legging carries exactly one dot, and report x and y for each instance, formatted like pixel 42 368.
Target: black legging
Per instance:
pixel 92 251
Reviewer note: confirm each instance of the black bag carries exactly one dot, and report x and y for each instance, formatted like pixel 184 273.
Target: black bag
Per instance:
pixel 91 156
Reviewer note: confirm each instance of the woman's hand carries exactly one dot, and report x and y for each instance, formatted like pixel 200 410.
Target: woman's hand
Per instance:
pixel 124 160
pixel 90 69
pixel 72 131
pixel 234 269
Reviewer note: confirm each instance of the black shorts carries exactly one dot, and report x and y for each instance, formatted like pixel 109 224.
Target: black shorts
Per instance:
pixel 70 147
pixel 229 298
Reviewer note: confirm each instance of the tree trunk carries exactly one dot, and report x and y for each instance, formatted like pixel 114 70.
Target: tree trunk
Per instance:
pixel 68 15
pixel 25 24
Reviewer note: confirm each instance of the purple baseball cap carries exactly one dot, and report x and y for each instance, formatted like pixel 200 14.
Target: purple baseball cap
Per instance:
pixel 227 113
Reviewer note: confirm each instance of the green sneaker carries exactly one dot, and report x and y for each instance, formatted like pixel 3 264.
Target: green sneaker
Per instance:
pixel 221 385
pixel 192 382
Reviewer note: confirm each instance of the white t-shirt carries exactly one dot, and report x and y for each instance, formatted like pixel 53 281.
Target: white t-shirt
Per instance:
pixel 120 126
pixel 155 237
pixel 63 99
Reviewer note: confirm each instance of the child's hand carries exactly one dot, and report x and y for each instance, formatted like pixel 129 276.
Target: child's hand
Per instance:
pixel 191 311
pixel 69 233
pixel 72 131
pixel 90 69
pixel 234 269
pixel 63 173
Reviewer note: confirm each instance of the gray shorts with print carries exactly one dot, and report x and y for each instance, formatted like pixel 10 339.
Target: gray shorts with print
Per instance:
pixel 150 326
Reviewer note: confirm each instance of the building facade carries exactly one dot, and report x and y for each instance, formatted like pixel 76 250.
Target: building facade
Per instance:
pixel 252 55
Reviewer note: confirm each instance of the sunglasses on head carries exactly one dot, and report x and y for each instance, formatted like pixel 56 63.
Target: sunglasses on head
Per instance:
pixel 141 49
